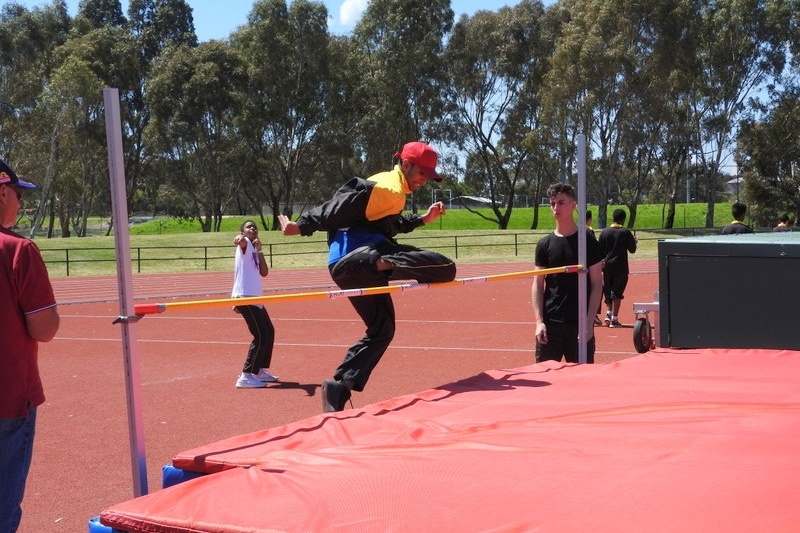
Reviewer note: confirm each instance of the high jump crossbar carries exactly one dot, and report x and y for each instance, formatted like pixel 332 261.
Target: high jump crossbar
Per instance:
pixel 155 308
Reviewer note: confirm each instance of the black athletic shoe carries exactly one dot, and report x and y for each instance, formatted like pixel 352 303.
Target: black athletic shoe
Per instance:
pixel 334 396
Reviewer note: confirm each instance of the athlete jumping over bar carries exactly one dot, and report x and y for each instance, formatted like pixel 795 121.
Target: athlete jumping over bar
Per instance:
pixel 362 219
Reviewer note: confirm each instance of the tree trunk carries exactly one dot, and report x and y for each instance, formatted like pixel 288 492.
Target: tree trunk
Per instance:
pixel 669 220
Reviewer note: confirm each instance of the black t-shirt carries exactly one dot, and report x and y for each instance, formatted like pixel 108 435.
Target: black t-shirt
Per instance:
pixel 736 227
pixel 616 243
pixel 561 290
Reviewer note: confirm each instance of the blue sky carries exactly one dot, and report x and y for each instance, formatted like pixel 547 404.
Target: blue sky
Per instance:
pixel 215 19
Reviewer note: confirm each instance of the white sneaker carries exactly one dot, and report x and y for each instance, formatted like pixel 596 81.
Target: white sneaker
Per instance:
pixel 265 376
pixel 249 381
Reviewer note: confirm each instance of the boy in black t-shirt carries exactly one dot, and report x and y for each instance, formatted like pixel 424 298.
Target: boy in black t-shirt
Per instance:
pixel 555 296
pixel 738 210
pixel 616 241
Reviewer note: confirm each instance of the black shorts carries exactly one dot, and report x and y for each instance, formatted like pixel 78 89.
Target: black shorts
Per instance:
pixel 614 285
pixel 562 340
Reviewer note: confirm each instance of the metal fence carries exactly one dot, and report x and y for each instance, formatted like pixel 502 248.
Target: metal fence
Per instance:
pixel 302 253
pixel 305 252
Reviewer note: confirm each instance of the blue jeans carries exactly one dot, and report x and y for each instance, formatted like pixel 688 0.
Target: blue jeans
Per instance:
pixel 16 448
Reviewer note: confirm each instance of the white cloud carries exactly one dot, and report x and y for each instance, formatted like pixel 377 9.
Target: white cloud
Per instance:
pixel 350 11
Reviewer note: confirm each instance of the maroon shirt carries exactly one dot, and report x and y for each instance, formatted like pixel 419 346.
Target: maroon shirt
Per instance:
pixel 24 288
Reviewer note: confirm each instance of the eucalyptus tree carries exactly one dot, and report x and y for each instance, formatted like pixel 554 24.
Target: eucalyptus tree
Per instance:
pixel 72 104
pixel 671 146
pixel 563 97
pixel 28 43
pixel 158 24
pixel 657 126
pixel 741 47
pixel 334 160
pixel 665 94
pixel 154 25
pixel 398 46
pixel 495 64
pixel 603 69
pixel 29 40
pixel 289 84
pixel 102 13
pixel 88 63
pixel 794 35
pixel 193 97
pixel 768 156
pixel 568 111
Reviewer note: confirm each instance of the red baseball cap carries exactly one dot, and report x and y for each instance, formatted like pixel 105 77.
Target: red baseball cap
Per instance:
pixel 422 155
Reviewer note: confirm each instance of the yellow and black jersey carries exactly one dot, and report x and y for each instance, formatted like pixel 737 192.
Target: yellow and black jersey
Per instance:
pixel 374 205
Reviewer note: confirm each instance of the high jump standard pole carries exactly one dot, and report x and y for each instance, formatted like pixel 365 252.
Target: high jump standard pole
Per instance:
pixel 583 352
pixel 119 208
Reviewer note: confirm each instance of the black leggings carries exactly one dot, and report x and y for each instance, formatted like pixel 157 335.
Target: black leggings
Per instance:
pixel 259 355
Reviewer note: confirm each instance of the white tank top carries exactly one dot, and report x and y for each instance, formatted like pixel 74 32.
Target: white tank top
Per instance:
pixel 246 272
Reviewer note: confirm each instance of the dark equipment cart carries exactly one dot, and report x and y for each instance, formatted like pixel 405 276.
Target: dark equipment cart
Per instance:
pixel 730 291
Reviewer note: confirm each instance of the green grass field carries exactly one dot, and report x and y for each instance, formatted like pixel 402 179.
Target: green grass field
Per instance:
pixel 648 217
pixel 173 245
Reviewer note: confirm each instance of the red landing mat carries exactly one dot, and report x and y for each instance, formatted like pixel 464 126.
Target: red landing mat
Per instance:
pixel 678 441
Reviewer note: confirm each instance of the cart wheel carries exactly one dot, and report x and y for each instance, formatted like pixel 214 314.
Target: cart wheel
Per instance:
pixel 642 337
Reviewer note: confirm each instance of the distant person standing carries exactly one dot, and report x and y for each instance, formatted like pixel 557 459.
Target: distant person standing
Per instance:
pixel 738 210
pixel 28 316
pixel 783 223
pixel 616 241
pixel 589 221
pixel 249 267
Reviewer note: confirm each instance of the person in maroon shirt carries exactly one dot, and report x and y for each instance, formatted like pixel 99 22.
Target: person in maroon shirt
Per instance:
pixel 28 316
